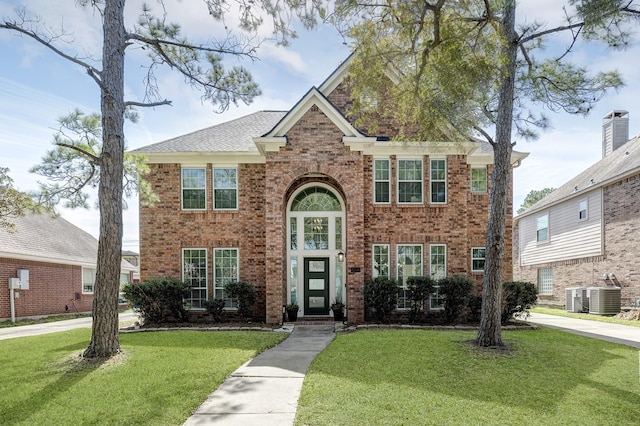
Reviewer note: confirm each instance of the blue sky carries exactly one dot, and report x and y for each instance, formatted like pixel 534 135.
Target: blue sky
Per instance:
pixel 37 87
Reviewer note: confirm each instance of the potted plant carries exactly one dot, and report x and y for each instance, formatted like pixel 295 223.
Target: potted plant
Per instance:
pixel 292 311
pixel 338 309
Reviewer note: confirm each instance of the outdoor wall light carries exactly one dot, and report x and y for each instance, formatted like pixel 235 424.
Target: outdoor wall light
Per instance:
pixel 340 256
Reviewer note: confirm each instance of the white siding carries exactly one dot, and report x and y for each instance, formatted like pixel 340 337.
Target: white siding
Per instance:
pixel 569 237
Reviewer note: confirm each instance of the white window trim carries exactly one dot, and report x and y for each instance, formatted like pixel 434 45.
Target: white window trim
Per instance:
pixel 586 209
pixel 93 284
pixel 409 203
pixel 486 180
pixel 446 183
pixel 548 228
pixel 421 272
pixel 182 188
pixel 431 307
pixel 214 270
pixel 213 184
pixel 388 160
pixel 206 278
pixel 478 258
pixel 374 273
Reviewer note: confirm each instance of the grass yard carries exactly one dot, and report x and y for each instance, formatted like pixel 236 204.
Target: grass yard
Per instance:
pixel 159 380
pixel 421 377
pixel 591 317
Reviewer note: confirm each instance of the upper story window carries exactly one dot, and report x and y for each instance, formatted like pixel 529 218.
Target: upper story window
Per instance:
pixel 225 188
pixel 542 228
pixel 479 179
pixel 582 210
pixel 438 181
pixel 381 181
pixel 194 189
pixel 409 181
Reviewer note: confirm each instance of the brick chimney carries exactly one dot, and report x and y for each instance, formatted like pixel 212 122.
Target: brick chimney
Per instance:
pixel 615 131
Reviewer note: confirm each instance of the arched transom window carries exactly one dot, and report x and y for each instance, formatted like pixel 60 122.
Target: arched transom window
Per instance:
pixel 316 199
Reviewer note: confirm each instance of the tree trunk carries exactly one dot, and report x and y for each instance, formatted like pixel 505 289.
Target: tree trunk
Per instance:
pixel 490 333
pixel 104 333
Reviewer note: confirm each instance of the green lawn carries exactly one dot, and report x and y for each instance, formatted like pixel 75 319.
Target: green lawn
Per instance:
pixel 160 379
pixel 421 377
pixel 592 317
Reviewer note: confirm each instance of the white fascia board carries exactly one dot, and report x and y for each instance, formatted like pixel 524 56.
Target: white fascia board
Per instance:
pixel 249 157
pixel 370 146
pixel 46 259
pixel 270 144
pixel 337 77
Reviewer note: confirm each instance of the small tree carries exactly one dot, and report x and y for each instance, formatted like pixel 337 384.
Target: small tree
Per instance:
pixel 13 203
pixel 533 197
pixel 245 293
pixel 380 297
pixel 455 292
pixel 418 291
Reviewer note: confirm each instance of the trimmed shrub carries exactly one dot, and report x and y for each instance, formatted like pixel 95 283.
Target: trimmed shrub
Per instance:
pixel 517 298
pixel 245 293
pixel 214 308
pixel 418 291
pixel 474 307
pixel 380 297
pixel 455 292
pixel 158 300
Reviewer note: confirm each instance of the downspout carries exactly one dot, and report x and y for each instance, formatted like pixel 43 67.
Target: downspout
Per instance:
pixel 12 303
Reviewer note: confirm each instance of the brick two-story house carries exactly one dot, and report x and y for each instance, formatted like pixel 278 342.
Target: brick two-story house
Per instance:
pixel 306 207
pixel 585 233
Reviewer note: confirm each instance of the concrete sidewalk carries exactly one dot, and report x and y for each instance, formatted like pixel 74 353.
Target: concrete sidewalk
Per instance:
pixel 265 390
pixel 55 326
pixel 616 333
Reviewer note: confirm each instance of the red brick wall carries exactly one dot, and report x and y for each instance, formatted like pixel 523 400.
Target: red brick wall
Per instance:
pixel 52 287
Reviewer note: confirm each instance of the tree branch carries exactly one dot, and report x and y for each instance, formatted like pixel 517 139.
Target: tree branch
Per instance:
pixel 90 156
pixel 147 104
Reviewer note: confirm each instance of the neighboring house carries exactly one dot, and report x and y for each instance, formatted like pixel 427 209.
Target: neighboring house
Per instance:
pixel 131 256
pixel 306 207
pixel 60 262
pixel 588 228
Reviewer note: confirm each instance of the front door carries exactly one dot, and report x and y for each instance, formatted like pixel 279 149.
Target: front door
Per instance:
pixel 316 286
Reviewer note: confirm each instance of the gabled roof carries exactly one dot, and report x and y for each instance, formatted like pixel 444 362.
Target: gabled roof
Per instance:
pixel 231 136
pixel 622 162
pixel 43 238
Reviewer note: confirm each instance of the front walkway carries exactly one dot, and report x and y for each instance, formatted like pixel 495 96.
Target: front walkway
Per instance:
pixel 616 333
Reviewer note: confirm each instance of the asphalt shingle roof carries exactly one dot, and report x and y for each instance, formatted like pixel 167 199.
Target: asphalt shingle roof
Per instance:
pixel 45 237
pixel 232 136
pixel 617 164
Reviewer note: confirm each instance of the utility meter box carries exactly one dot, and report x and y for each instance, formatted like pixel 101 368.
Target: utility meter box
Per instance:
pixel 14 283
pixel 23 276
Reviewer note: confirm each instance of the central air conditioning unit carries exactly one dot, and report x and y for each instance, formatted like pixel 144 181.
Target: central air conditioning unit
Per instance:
pixel 576 299
pixel 604 300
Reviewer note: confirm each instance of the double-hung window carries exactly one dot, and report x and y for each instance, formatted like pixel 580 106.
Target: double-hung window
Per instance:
pixel 409 264
pixel 438 181
pixel 409 181
pixel 194 190
pixel 582 210
pixel 477 259
pixel 380 260
pixel 88 280
pixel 437 270
pixel 194 273
pixel 226 271
pixel 225 188
pixel 381 181
pixel 479 179
pixel 542 228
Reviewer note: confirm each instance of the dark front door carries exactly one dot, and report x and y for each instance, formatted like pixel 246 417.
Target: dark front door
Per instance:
pixel 316 286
